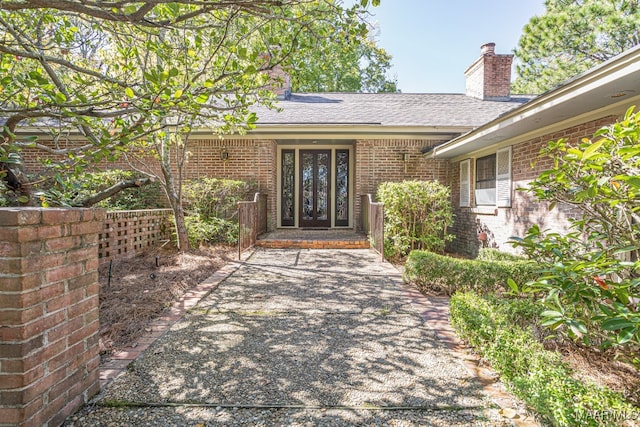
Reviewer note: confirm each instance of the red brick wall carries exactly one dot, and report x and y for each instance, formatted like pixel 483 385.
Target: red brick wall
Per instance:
pixel 379 161
pixel 126 234
pixel 490 76
pixel 524 210
pixel 49 326
pixel 249 160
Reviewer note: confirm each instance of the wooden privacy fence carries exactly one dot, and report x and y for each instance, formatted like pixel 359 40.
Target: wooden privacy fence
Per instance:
pixel 372 215
pixel 252 221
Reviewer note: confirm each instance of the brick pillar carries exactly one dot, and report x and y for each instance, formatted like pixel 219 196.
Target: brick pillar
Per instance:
pixel 49 325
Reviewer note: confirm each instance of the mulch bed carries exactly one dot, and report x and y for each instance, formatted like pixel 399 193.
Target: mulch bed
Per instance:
pixel 141 288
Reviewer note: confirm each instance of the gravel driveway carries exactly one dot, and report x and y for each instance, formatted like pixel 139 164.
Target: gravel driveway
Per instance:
pixel 298 337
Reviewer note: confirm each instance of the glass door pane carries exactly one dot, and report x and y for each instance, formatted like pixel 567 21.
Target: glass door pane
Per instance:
pixel 315 188
pixel 342 187
pixel 288 188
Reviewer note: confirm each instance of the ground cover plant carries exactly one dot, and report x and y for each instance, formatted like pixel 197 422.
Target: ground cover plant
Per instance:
pixel 503 332
pixel 417 216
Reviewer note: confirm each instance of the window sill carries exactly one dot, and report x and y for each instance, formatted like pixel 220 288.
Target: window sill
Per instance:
pixel 485 210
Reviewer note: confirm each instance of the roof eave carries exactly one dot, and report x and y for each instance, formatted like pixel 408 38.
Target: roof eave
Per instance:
pixel 351 131
pixel 624 68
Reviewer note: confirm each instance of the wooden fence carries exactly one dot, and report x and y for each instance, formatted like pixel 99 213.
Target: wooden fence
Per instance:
pixel 252 221
pixel 372 214
pixel 128 233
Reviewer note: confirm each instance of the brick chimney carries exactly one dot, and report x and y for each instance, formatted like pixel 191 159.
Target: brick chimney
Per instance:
pixel 280 82
pixel 489 78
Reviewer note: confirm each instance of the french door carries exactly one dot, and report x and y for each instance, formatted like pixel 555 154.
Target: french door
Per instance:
pixel 315 188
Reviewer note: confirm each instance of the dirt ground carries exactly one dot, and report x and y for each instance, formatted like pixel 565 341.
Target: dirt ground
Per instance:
pixel 602 369
pixel 140 288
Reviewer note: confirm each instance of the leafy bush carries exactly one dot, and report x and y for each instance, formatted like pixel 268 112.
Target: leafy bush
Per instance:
pixel 444 274
pixel 215 198
pixel 491 254
pixel 5 199
pixel 592 279
pixel 417 215
pixel 72 190
pixel 500 330
pixel 212 230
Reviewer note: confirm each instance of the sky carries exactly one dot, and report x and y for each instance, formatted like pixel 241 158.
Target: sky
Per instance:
pixel 434 41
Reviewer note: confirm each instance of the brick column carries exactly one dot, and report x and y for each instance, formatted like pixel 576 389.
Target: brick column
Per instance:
pixel 49 325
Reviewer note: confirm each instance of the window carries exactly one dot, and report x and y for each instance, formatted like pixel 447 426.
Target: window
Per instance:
pixel 486 180
pixel 492 180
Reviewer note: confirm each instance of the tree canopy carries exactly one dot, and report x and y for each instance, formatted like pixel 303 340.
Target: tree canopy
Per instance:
pixel 340 65
pixel 132 79
pixel 115 73
pixel 571 37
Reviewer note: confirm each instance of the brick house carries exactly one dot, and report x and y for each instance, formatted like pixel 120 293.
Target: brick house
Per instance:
pixel 320 152
pixel 488 165
pixel 323 150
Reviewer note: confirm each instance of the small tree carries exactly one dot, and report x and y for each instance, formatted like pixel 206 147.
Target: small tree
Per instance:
pixel 137 76
pixel 591 281
pixel 417 215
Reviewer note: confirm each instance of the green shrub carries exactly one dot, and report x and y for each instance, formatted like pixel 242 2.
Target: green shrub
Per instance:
pixel 417 215
pixel 501 331
pixel 491 254
pixel 591 282
pixel 444 274
pixel 215 198
pixel 212 230
pixel 5 199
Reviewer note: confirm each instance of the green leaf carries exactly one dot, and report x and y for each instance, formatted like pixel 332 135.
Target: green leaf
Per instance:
pixel 577 327
pixel 616 323
pixel 625 336
pixel 60 97
pixel 129 92
pixel 591 150
pixel 202 98
pixel 512 285
pixel 551 313
pixel 178 93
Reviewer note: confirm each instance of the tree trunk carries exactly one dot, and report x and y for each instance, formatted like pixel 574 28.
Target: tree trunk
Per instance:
pixel 176 205
pixel 181 227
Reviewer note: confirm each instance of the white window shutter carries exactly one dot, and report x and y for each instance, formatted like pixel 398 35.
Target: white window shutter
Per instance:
pixel 503 177
pixel 465 183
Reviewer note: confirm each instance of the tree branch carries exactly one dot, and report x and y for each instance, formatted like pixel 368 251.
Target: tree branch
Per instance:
pixel 114 189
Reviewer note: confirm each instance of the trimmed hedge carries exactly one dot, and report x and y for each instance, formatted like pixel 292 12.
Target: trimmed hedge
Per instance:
pixel 444 274
pixel 491 254
pixel 501 331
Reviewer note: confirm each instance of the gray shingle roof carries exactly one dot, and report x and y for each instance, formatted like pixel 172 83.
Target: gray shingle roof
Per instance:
pixel 386 109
